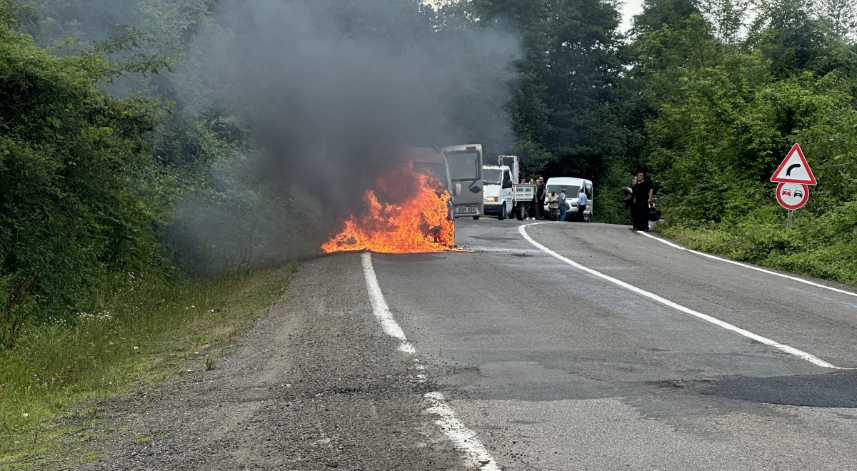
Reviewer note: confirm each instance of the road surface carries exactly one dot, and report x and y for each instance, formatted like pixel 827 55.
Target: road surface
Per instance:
pixel 557 368
pixel 552 346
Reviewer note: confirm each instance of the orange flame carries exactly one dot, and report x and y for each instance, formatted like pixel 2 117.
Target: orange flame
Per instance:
pixel 415 221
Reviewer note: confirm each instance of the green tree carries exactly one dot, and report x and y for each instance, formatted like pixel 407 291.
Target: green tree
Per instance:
pixel 75 177
pixel 562 112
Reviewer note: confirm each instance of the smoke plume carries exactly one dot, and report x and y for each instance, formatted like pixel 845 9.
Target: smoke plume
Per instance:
pixel 329 91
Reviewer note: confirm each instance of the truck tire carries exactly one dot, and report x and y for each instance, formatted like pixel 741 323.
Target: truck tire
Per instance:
pixel 502 214
pixel 475 218
pixel 519 213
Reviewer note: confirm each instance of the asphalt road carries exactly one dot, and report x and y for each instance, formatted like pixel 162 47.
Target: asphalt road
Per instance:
pixel 510 357
pixel 555 368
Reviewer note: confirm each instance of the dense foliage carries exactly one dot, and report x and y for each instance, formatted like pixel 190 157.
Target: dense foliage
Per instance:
pixel 80 195
pixel 721 112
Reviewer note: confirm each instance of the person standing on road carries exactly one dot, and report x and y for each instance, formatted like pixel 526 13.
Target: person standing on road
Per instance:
pixel 553 206
pixel 629 202
pixel 582 201
pixel 542 194
pixel 642 202
pixel 534 201
pixel 562 205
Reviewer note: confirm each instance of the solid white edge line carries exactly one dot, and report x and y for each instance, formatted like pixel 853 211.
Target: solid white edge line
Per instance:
pixel 379 305
pixel 785 348
pixel 793 278
pixel 462 438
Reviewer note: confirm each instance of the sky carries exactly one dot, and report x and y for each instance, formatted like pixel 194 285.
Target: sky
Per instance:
pixel 628 10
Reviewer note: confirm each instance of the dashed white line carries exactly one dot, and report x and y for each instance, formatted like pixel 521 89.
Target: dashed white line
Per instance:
pixel 751 267
pixel 785 348
pixel 464 439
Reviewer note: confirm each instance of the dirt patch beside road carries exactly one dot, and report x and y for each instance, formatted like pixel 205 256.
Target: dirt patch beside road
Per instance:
pixel 315 385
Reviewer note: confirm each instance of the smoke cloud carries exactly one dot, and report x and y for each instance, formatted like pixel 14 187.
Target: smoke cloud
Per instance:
pixel 330 100
pixel 329 91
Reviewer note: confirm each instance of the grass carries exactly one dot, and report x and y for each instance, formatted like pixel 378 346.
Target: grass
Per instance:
pixel 143 333
pixel 821 247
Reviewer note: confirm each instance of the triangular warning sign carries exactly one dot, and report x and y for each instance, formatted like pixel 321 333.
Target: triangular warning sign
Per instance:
pixel 794 169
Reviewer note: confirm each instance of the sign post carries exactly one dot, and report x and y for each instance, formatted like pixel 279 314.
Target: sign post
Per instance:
pixel 793 176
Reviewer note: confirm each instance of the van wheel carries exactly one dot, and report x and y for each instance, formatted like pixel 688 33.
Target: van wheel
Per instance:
pixel 475 218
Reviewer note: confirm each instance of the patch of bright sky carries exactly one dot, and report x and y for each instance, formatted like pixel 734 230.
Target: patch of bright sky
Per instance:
pixel 627 9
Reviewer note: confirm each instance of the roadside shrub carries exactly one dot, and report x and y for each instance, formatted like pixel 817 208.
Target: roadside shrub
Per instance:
pixel 16 307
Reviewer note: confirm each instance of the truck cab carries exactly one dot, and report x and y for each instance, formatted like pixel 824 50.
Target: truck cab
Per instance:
pixel 497 190
pixel 465 170
pixel 459 168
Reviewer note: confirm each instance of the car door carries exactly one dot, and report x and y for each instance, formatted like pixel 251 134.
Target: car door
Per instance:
pixel 590 205
pixel 507 190
pixel 465 168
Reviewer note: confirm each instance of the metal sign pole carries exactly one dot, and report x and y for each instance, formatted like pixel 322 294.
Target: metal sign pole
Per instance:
pixel 789 223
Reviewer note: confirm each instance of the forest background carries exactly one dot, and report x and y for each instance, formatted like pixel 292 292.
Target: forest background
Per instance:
pixel 126 180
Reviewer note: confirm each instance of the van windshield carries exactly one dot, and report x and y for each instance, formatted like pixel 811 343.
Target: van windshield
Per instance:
pixel 571 191
pixel 492 176
pixel 464 165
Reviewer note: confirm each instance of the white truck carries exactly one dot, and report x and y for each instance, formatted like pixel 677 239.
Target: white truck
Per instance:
pixel 502 196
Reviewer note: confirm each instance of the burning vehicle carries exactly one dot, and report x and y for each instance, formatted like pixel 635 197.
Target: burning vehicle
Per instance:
pixel 454 167
pixel 413 206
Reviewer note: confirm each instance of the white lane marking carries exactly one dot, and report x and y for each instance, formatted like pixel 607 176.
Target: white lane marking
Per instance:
pixel 790 350
pixel 462 438
pixel 793 278
pixel 379 305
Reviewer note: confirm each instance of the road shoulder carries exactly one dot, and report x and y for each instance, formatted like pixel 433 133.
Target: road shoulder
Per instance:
pixel 314 385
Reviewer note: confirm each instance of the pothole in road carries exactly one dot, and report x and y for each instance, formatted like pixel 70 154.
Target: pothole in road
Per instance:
pixel 837 389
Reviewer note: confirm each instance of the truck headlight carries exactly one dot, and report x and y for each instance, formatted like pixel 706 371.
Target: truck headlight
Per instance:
pixel 490 199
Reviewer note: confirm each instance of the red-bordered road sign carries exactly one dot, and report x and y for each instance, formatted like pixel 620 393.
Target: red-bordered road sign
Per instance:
pixel 792 195
pixel 794 169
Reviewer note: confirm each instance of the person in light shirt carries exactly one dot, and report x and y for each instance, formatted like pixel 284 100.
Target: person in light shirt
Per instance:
pixel 562 197
pixel 553 206
pixel 582 201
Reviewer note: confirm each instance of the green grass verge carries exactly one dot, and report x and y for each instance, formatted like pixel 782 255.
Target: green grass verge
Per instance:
pixel 821 247
pixel 52 382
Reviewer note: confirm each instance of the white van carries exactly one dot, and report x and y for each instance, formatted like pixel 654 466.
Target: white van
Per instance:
pixel 572 190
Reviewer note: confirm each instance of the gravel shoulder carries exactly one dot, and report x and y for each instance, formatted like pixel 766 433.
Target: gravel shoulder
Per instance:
pixel 315 385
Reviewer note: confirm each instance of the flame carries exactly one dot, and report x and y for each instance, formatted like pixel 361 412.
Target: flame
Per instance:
pixel 415 221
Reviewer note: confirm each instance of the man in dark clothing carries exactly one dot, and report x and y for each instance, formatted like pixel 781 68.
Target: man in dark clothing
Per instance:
pixel 541 191
pixel 642 202
pixel 629 201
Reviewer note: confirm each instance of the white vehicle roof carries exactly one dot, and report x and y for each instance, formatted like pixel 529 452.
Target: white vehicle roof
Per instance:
pixel 565 181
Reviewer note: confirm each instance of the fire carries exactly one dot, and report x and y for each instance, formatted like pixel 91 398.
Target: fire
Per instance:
pixel 415 220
